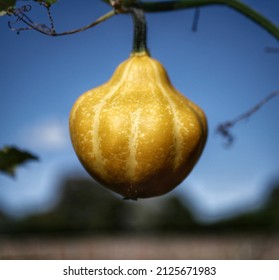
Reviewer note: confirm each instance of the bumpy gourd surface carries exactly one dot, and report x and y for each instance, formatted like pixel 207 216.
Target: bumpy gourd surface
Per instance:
pixel 136 134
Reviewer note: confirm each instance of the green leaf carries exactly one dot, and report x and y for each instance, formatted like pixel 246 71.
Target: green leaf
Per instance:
pixel 5 5
pixel 11 157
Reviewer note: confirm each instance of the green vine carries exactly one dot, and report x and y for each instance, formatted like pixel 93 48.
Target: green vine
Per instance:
pixel 163 6
pixel 236 5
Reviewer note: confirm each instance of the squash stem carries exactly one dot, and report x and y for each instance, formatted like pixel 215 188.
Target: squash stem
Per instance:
pixel 140 30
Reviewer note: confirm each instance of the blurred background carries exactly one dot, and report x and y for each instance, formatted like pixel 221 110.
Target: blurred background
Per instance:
pixel 228 207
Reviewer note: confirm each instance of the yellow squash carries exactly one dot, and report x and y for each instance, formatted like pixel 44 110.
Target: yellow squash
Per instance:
pixel 136 134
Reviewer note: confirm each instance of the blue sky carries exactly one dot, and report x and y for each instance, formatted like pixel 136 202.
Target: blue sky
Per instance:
pixel 223 68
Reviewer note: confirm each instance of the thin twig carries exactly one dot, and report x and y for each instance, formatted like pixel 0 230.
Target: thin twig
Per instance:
pixel 271 50
pixel 50 19
pixel 196 20
pixel 21 16
pixel 99 20
pixel 224 128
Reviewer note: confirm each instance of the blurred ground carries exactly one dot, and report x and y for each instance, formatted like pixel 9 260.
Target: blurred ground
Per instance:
pixel 89 222
pixel 232 247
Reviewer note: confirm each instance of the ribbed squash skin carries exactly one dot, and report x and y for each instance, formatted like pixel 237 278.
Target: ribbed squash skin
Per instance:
pixel 136 134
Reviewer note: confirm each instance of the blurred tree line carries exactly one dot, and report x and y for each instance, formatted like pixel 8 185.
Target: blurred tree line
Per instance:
pixel 86 207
